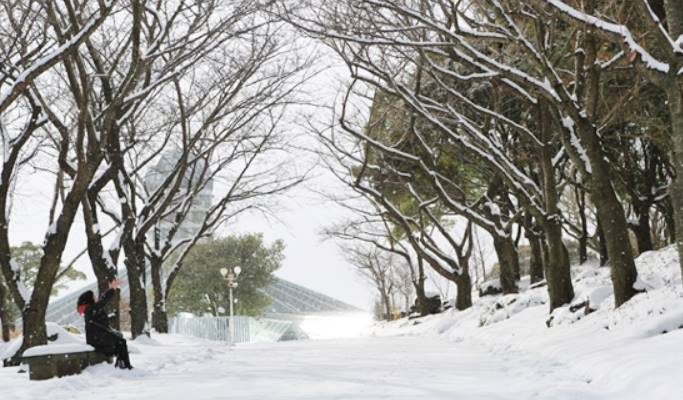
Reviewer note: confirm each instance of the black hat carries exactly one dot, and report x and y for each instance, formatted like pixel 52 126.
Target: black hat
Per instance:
pixel 86 298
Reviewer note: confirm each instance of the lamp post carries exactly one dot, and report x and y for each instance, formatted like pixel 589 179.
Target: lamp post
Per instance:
pixel 231 278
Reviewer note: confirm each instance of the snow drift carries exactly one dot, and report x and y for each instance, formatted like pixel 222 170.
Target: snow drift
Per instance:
pixel 634 351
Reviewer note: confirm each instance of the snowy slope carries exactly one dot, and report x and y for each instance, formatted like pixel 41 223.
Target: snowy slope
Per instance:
pixel 634 352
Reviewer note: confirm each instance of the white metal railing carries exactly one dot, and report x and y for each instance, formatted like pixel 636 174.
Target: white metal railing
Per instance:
pixel 247 329
pixel 212 328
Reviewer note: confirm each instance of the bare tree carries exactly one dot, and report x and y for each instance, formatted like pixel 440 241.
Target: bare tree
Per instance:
pixel 374 227
pixel 30 54
pixel 406 48
pixel 200 79
pixel 377 268
pixel 351 165
pixel 656 56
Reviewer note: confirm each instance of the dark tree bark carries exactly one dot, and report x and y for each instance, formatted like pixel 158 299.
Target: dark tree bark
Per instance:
pixel 419 283
pixel 602 244
pixel 670 82
pixel 609 209
pixel 463 283
pixel 643 230
pixel 558 274
pixel 536 254
pixel 506 251
pixel 135 265
pixel 546 256
pixel 613 224
pixel 536 260
pixel 159 315
pixel 385 298
pixel 508 259
pixel 580 195
pixel 159 319
pixel 7 325
pixel 676 106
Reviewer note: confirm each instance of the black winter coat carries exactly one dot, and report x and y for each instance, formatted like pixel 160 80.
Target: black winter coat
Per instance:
pixel 98 334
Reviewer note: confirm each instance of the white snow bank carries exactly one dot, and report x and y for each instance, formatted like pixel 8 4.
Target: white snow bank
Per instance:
pixel 632 352
pixel 145 340
pixel 58 349
pixel 65 342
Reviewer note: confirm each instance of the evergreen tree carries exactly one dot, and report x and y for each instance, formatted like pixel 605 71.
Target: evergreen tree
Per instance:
pixel 200 288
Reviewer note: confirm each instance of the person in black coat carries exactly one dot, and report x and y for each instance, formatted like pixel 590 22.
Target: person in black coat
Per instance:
pixel 98 333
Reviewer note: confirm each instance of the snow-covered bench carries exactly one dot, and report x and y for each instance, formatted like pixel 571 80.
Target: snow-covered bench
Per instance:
pixel 49 361
pixel 65 354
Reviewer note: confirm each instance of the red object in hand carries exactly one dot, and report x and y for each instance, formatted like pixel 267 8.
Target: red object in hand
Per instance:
pixel 81 309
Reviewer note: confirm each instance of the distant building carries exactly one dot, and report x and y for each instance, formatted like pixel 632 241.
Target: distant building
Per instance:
pixel 155 178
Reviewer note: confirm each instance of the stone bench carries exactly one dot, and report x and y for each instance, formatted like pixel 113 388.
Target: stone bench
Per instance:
pixel 46 366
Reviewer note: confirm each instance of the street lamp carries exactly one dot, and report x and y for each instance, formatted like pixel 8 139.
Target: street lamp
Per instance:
pixel 231 278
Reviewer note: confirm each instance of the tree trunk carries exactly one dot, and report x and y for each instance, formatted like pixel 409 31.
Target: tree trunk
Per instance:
pixel 159 316
pixel 536 260
pixel 613 223
pixel 666 209
pixel 160 319
pixel 386 301
pixel 558 274
pixel 33 321
pixel 33 314
pixel 421 299
pixel 583 239
pixel 536 256
pixel 546 256
pixel 135 265
pixel 643 230
pixel 508 259
pixel 609 209
pixel 676 190
pixel 420 294
pixel 4 314
pixel 463 282
pixel 560 289
pixel 602 244
pixel 6 328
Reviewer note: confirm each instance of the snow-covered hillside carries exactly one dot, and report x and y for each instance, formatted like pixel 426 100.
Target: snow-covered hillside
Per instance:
pixel 633 352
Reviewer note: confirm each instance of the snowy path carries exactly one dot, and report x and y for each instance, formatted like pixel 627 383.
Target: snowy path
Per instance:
pixel 368 368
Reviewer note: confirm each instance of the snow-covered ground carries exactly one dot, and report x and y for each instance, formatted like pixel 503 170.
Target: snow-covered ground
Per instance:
pixel 633 352
pixel 364 368
pixel 499 349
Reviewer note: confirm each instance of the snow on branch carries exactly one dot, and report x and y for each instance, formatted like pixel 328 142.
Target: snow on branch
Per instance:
pixel 37 67
pixel 614 31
